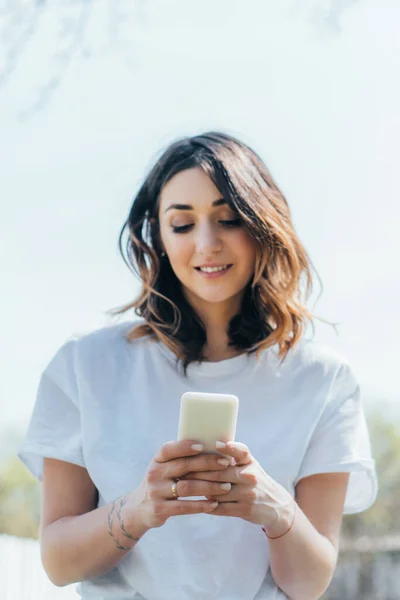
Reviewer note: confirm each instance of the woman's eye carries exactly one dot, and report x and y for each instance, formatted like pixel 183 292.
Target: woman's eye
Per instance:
pixel 224 223
pixel 181 228
pixel 232 223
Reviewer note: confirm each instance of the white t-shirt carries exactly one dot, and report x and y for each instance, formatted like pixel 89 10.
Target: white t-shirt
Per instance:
pixel 108 405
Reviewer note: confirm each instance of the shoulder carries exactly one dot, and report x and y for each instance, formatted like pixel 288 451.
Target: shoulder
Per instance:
pixel 318 366
pixel 311 355
pixel 96 346
pixel 107 332
pixel 105 337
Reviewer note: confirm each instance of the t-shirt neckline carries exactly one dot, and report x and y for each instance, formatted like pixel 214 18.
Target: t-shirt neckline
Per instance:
pixel 211 368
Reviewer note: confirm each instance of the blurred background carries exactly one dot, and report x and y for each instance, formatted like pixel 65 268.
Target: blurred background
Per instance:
pixel 91 91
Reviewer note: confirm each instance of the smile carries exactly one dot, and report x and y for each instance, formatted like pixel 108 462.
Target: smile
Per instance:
pixel 213 271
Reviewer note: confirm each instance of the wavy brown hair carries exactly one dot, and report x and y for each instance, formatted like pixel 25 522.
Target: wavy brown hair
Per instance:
pixel 273 309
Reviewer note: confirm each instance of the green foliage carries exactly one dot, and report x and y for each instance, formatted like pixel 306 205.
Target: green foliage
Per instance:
pixel 19 501
pixel 383 517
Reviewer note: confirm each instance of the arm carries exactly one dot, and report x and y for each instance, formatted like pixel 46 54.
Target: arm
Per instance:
pixel 74 535
pixel 311 546
pixel 339 438
pixel 303 560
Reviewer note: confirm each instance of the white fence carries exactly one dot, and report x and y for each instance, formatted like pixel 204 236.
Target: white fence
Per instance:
pixel 368 569
pixel 22 576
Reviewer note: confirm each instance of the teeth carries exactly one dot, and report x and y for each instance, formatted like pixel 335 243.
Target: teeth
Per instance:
pixel 212 269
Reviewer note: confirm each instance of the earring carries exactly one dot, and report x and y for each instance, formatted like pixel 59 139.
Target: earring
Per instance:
pixel 163 253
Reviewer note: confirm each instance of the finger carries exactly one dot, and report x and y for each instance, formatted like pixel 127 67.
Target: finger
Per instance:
pixel 171 450
pixel 190 507
pixel 235 494
pixel 228 509
pixel 244 494
pixel 230 474
pixel 237 450
pixel 180 467
pixel 185 488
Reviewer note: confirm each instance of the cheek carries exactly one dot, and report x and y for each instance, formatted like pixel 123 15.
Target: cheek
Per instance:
pixel 174 245
pixel 179 251
pixel 245 249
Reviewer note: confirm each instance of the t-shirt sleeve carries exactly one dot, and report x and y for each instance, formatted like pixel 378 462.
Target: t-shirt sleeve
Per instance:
pixel 341 443
pixel 54 429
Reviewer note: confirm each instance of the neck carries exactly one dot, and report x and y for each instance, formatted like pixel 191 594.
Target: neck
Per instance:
pixel 215 318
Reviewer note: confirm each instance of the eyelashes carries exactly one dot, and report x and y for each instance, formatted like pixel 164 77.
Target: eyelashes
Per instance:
pixel 227 224
pixel 181 229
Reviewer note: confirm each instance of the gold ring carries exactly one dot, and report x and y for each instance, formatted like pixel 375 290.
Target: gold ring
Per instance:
pixel 173 488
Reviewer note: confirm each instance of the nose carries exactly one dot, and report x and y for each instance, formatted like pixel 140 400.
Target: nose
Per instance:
pixel 208 241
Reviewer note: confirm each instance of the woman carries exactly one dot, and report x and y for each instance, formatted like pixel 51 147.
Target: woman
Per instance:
pixel 221 309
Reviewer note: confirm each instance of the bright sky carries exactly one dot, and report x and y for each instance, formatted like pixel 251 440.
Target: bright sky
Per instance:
pixel 315 91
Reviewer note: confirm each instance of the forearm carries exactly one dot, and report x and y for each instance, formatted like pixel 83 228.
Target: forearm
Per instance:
pixel 81 547
pixel 302 561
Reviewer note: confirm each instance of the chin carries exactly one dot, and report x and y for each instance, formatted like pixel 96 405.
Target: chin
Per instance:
pixel 215 298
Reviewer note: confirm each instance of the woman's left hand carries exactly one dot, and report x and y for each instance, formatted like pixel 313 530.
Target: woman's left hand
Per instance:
pixel 254 496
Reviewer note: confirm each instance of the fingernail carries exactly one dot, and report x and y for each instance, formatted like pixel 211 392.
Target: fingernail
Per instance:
pixel 220 445
pixel 197 447
pixel 223 461
pixel 213 505
pixel 225 486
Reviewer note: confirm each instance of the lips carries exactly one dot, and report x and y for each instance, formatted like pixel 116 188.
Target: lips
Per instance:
pixel 213 269
pixel 212 274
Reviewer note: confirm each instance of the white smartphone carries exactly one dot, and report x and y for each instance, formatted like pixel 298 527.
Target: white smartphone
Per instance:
pixel 208 417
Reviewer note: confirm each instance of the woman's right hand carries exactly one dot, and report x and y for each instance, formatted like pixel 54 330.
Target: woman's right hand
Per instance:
pixel 153 502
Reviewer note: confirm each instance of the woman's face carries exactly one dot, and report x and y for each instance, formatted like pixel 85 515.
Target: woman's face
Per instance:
pixel 199 229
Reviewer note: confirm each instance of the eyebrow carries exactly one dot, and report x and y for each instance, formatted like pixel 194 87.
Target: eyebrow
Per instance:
pixel 218 202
